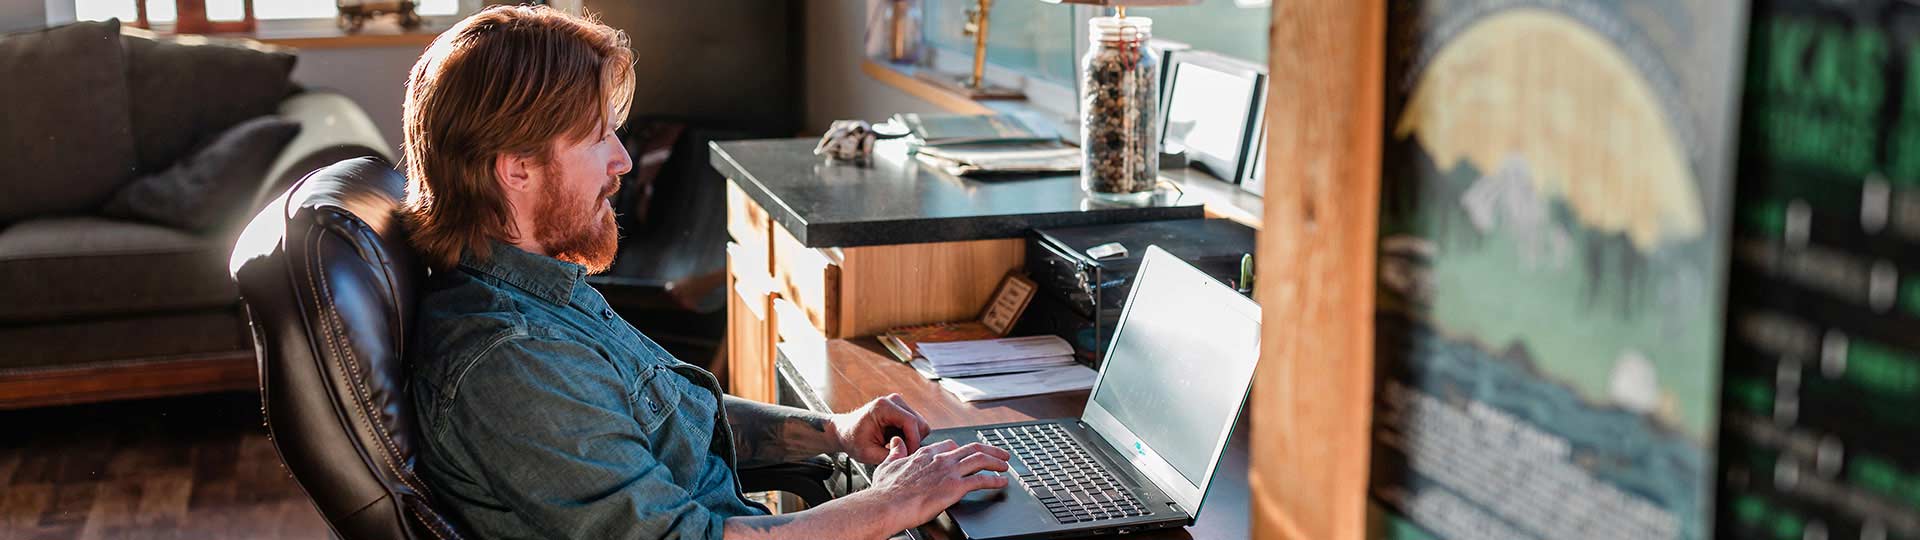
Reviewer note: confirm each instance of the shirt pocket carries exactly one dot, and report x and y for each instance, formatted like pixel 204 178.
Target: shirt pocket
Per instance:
pixel 655 397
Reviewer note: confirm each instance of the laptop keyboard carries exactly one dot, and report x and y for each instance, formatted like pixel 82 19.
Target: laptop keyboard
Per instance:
pixel 1063 476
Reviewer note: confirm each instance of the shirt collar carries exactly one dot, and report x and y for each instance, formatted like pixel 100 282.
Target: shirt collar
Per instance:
pixel 546 277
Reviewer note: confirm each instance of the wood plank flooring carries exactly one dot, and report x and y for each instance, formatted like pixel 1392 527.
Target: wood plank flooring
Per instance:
pixel 197 467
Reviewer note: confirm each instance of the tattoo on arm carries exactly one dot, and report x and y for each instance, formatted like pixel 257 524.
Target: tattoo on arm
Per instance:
pixel 767 434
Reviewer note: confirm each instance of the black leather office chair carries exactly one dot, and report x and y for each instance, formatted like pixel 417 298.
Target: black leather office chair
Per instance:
pixel 329 284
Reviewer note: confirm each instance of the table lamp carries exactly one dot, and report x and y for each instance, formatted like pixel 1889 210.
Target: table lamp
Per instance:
pixel 975 85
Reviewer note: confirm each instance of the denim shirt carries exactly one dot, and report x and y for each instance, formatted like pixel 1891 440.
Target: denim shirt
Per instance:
pixel 546 415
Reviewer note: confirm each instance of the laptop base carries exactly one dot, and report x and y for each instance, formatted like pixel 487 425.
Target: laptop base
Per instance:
pixel 1014 512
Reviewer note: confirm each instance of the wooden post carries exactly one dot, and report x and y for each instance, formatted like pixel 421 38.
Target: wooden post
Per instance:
pixel 1313 392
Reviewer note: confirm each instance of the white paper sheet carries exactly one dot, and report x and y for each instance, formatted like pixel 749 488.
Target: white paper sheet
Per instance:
pixel 999 368
pixel 928 372
pixel 1046 381
pixel 953 353
pixel 925 369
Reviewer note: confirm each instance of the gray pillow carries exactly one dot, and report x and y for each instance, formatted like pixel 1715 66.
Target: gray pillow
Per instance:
pixel 192 88
pixel 66 142
pixel 204 190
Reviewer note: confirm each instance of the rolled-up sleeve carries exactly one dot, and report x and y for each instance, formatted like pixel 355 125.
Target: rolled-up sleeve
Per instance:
pixel 559 444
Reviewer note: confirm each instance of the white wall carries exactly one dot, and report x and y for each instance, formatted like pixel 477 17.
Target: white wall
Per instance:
pixel 374 77
pixel 59 12
pixel 835 87
pixel 22 14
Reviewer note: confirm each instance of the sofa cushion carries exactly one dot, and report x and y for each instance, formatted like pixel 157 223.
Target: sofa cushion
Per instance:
pixel 191 88
pixel 121 339
pixel 66 143
pixel 77 267
pixel 208 188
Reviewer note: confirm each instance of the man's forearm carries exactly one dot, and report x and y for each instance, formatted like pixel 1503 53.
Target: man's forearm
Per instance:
pixel 765 434
pixel 858 516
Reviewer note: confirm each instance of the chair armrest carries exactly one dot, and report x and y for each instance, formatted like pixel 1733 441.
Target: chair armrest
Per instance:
pixel 332 127
pixel 806 478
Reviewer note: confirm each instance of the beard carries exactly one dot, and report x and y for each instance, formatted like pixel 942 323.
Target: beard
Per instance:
pixel 582 232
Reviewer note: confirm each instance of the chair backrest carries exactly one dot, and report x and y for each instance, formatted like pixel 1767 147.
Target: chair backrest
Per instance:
pixel 329 284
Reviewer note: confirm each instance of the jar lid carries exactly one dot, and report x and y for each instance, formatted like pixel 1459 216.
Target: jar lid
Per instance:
pixel 1119 28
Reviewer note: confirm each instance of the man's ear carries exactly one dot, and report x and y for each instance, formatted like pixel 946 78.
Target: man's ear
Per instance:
pixel 515 172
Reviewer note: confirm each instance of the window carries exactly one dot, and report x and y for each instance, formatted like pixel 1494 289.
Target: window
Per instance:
pixel 1030 37
pixel 1041 40
pixel 162 11
pixel 1036 46
pixel 1236 28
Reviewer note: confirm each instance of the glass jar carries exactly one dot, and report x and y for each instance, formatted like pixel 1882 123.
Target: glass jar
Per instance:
pixel 1120 89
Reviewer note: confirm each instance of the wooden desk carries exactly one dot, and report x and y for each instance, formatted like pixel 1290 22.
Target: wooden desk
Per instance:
pixel 823 251
pixel 855 371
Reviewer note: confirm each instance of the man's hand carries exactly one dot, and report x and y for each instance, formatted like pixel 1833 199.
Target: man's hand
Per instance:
pixel 909 488
pixel 864 433
pixel 922 484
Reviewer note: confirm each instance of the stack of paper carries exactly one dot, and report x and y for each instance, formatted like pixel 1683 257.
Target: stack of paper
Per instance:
pixel 986 369
pixel 996 356
pixel 1026 158
pixel 1046 381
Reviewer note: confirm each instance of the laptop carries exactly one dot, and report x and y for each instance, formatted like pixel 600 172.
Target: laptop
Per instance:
pixel 1141 455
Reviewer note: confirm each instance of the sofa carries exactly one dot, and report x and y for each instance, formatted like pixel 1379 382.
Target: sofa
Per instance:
pixel 111 287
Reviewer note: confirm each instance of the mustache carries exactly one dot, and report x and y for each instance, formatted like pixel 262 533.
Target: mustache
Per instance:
pixel 613 186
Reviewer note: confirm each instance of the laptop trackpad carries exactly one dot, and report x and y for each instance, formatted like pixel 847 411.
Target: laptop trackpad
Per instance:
pixel 983 496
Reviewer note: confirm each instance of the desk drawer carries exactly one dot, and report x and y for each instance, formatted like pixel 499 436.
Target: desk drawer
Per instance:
pixel 810 279
pixel 748 224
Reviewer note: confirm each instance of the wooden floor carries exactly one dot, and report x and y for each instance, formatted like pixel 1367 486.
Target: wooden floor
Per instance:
pixel 190 468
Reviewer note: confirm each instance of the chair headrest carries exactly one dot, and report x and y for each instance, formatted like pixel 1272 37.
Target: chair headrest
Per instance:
pixel 329 282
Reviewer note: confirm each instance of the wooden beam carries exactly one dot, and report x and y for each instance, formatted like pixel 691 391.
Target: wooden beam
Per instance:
pixel 1313 392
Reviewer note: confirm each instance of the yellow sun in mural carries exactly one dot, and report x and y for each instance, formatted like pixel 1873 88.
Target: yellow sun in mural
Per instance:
pixel 1539 86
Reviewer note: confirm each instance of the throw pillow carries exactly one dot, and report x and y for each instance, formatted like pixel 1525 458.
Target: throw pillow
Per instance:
pixel 66 140
pixel 188 88
pixel 204 190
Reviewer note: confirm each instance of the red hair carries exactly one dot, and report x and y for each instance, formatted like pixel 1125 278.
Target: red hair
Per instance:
pixel 508 80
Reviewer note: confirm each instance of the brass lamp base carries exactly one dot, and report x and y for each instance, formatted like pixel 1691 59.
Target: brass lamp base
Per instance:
pixel 960 84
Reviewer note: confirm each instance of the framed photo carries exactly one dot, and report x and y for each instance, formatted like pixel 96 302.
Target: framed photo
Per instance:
pixel 1008 302
pixel 1211 111
pixel 1255 179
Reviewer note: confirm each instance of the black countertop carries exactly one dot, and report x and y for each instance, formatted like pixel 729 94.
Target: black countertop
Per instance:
pixel 897 200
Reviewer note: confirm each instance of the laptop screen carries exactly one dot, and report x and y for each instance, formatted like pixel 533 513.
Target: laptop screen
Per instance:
pixel 1178 372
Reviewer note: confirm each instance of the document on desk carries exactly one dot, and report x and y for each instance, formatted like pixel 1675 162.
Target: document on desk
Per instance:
pixel 1046 381
pixel 927 370
pixel 979 351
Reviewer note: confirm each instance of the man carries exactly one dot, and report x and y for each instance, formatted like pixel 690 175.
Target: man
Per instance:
pixel 543 413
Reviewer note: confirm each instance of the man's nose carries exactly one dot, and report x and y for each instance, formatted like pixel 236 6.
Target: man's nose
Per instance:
pixel 621 162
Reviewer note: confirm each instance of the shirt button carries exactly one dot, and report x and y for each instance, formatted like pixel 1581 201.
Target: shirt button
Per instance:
pixel 606 313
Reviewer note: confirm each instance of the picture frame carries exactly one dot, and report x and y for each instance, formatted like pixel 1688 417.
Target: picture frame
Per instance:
pixel 1254 180
pixel 1211 111
pixel 1008 302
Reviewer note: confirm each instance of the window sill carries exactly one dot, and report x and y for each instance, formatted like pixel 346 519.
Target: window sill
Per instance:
pixel 907 80
pixel 323 34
